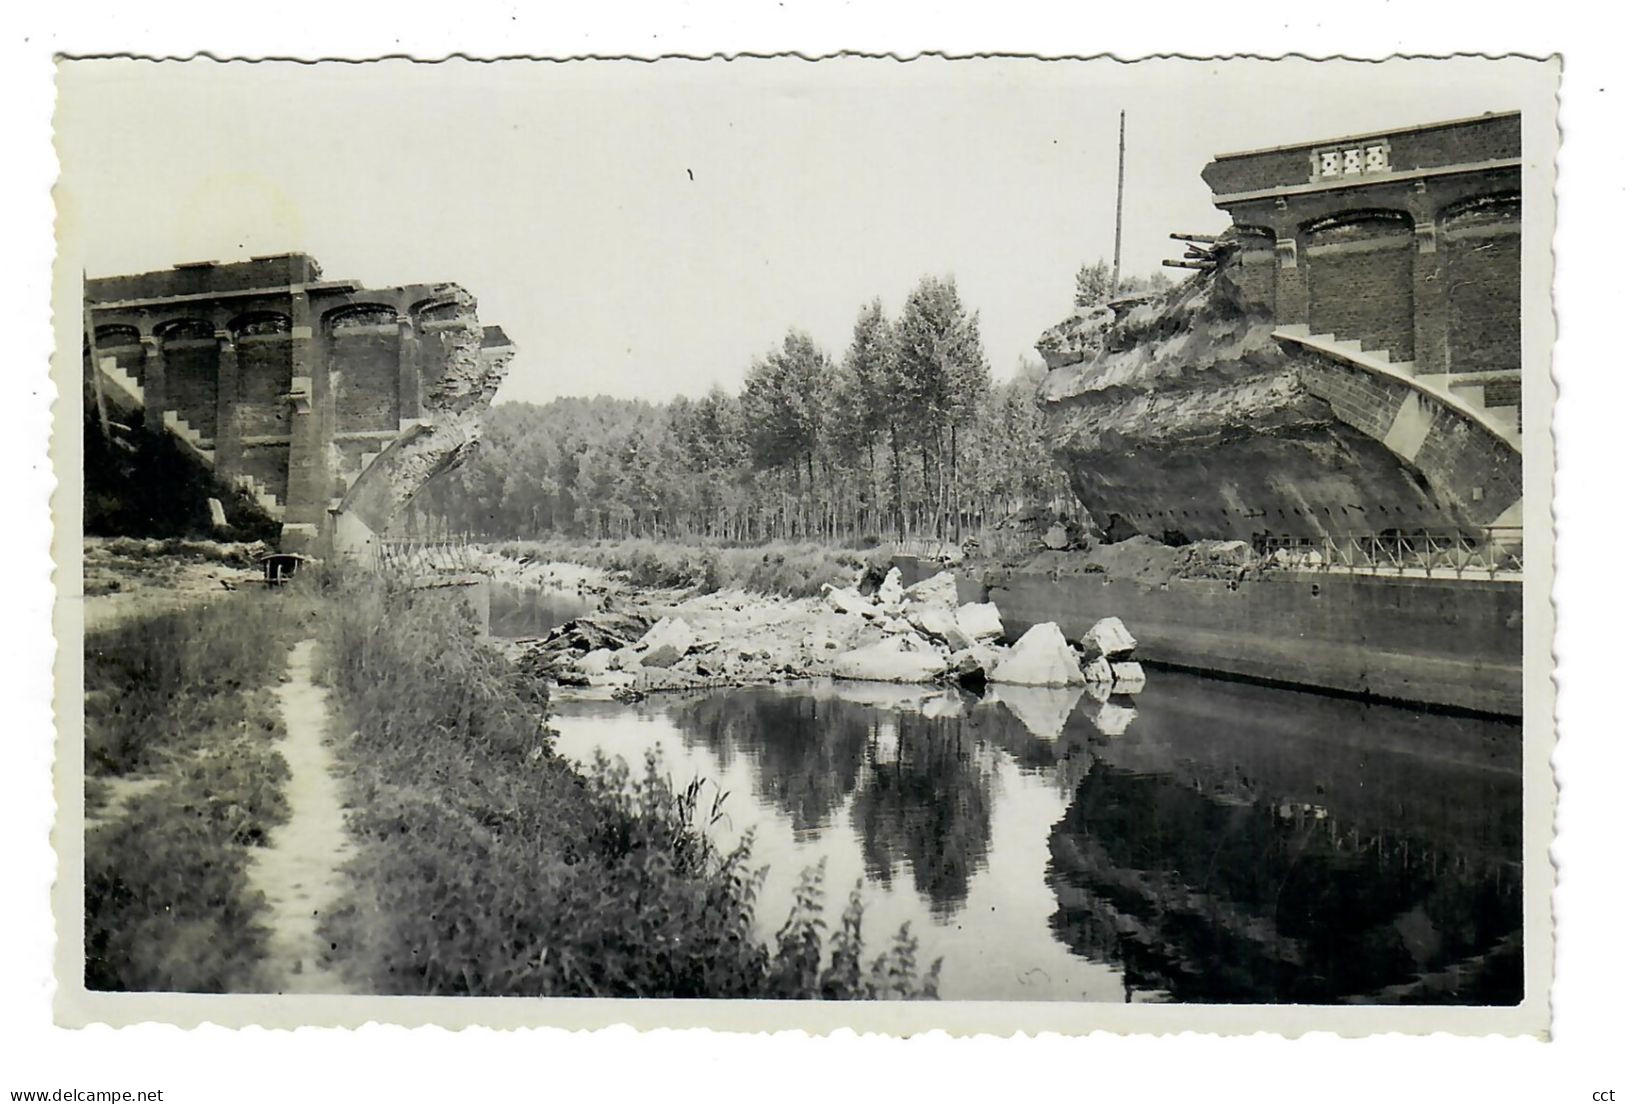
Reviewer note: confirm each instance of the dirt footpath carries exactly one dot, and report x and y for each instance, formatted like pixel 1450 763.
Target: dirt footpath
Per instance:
pixel 298 871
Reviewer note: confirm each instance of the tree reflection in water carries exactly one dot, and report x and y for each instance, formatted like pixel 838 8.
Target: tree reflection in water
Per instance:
pixel 805 751
pixel 920 797
pixel 926 799
pixel 1210 841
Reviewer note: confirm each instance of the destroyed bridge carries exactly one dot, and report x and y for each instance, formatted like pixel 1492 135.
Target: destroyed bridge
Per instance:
pixel 327 404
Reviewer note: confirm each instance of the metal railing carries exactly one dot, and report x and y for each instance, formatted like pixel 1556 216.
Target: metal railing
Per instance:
pixel 419 556
pixel 1492 552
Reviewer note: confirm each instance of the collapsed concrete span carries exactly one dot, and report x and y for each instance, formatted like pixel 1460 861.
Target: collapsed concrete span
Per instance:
pixel 1348 364
pixel 327 403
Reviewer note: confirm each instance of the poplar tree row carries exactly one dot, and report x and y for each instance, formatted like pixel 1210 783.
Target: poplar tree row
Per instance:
pixel 905 435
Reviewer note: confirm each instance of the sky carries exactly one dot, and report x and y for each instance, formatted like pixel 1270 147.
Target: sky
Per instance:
pixel 646 230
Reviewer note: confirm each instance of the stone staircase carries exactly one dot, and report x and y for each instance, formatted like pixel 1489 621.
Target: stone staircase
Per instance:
pixel 127 384
pixel 1465 389
pixel 256 490
pixel 131 391
pixel 183 430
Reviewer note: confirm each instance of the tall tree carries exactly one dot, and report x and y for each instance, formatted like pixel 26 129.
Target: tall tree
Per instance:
pixel 871 400
pixel 783 406
pixel 944 376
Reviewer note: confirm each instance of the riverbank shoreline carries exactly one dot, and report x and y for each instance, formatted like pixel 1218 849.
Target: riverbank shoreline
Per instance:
pixel 635 640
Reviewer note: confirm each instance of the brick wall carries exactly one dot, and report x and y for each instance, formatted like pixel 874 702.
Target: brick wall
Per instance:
pixel 1360 286
pixel 1460 143
pixel 264 375
pixel 1482 297
pixel 1253 272
pixel 368 366
pixel 190 370
pixel 269 465
pixel 1460 458
pixel 1359 398
pixel 199 279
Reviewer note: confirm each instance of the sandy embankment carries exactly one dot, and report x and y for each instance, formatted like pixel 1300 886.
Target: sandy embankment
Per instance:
pixel 129 577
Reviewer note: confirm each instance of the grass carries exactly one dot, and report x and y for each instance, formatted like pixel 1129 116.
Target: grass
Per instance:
pixel 489 865
pixel 796 570
pixel 183 697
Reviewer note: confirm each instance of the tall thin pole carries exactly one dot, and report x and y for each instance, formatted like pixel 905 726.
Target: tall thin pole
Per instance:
pixel 1117 245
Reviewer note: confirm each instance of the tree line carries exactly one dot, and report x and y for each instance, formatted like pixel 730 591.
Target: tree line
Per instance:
pixel 905 435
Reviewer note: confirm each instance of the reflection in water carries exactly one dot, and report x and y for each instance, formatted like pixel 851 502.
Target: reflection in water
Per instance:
pixel 1203 841
pixel 925 805
pixel 519 611
pixel 920 799
pixel 806 751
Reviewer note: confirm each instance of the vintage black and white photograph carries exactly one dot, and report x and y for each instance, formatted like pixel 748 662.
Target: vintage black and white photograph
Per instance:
pixel 1024 537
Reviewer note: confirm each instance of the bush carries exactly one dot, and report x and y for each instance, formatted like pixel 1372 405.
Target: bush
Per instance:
pixel 487 865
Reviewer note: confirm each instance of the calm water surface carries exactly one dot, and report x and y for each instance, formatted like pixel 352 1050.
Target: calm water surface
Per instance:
pixel 1204 841
pixel 518 611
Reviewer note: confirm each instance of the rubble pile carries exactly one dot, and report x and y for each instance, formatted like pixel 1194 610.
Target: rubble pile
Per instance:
pixel 918 634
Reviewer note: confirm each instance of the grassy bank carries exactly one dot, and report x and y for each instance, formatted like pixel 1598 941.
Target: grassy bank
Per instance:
pixel 180 720
pixel 795 570
pixel 489 865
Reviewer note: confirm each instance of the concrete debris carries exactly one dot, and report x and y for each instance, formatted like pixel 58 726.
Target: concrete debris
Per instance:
pixel 1109 637
pixel 916 635
pixel 975 663
pixel 939 623
pixel 598 662
pixel 980 621
pixel 1128 677
pixel 848 600
pixel 1098 671
pixel 667 641
pixel 1235 552
pixel 904 658
pixel 600 630
pixel 1042 657
pixel 939 590
pixel 891 590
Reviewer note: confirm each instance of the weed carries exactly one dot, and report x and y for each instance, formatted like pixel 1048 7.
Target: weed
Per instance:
pixel 183 695
pixel 488 865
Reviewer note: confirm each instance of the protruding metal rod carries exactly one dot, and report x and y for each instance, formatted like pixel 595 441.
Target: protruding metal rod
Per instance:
pixel 1209 238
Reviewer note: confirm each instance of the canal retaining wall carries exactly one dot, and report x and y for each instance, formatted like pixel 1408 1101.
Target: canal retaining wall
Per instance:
pixel 1454 643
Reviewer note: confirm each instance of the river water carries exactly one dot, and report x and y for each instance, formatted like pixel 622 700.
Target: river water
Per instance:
pixel 1204 841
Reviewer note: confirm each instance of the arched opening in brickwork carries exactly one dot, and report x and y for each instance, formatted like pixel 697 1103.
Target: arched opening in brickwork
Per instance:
pixel 261 324
pixel 359 316
pixel 364 363
pixel 123 344
pixel 112 337
pixel 264 374
pixel 1480 238
pixel 1252 265
pixel 1359 266
pixel 437 310
pixel 191 372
